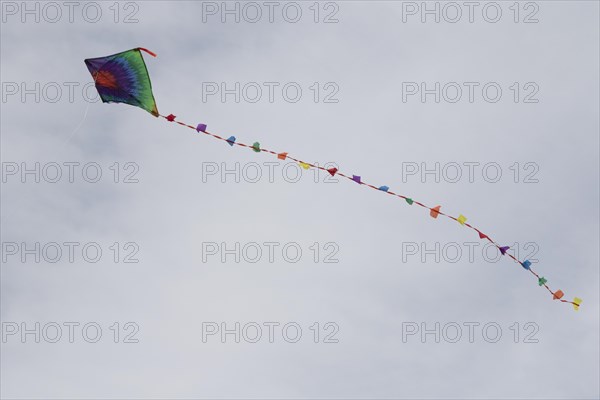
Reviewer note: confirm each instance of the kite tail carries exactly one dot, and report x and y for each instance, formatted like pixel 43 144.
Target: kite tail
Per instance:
pixel 147 51
pixel 433 211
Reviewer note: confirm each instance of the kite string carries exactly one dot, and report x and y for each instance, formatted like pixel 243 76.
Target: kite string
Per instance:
pixel 72 135
pixel 68 139
pixel 432 210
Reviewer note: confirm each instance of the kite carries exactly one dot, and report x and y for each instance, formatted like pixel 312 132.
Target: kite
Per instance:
pixel 124 78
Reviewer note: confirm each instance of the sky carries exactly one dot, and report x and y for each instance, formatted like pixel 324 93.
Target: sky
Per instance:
pixel 141 259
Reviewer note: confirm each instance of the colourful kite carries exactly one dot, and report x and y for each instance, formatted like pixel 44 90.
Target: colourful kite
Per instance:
pixel 123 78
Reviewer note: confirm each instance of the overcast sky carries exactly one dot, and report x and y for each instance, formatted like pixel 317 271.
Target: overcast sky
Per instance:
pixel 512 144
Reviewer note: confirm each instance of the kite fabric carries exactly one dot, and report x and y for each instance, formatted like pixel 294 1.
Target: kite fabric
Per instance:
pixel 123 78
